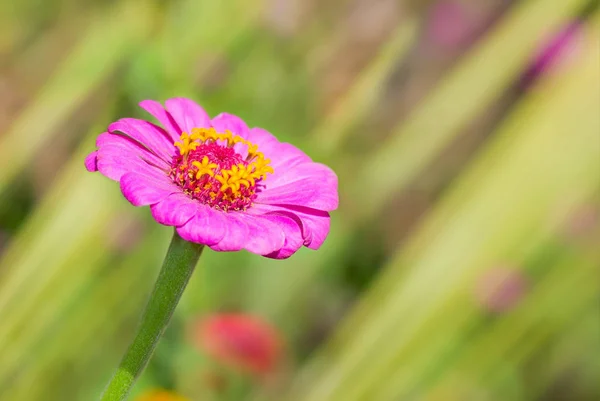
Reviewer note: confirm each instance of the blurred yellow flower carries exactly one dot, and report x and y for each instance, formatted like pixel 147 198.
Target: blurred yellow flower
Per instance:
pixel 161 395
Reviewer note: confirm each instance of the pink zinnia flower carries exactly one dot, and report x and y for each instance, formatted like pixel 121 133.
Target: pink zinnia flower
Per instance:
pixel 217 181
pixel 241 341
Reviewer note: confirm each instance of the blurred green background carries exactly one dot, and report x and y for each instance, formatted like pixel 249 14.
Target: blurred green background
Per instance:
pixel 463 263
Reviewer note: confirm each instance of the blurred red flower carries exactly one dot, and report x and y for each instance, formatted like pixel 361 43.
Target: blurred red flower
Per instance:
pixel 241 341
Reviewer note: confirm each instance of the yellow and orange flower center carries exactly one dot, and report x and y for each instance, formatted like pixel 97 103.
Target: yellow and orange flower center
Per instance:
pixel 210 168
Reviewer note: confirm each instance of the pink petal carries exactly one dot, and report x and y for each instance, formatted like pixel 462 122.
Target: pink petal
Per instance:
pixel 300 172
pixel 316 221
pixel 118 154
pixel 207 227
pixel 175 210
pixel 164 118
pixel 285 155
pixel 114 164
pixel 236 235
pixel 187 114
pixel 313 224
pixel 264 236
pixel 293 236
pixel 146 189
pixel 91 162
pixel 280 154
pixel 125 147
pixel 262 137
pixel 147 134
pixel 312 185
pixel 226 121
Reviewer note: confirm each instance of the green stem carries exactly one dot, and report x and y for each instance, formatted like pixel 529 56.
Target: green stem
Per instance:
pixel 177 268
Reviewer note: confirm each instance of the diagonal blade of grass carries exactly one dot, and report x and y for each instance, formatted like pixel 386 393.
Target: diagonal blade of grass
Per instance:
pixel 357 102
pixel 516 36
pixel 76 334
pixel 514 173
pixel 510 340
pixel 102 48
pixel 463 95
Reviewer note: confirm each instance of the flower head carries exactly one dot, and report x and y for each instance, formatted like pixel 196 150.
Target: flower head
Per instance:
pixel 244 342
pixel 217 181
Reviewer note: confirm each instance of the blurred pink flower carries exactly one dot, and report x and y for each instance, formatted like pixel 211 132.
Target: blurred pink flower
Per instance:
pixel 160 395
pixel 240 341
pixel 558 50
pixel 500 289
pixel 449 24
pixel 217 181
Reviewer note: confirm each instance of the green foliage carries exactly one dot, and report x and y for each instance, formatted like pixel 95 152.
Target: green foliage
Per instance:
pixel 473 172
